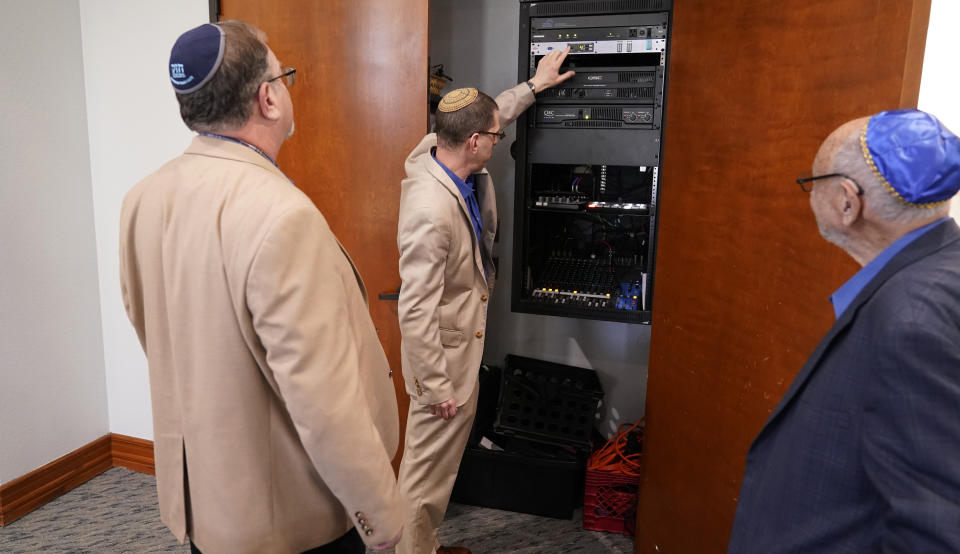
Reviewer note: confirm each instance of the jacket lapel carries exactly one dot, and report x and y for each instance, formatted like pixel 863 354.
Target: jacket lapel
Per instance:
pixel 928 243
pixel 353 266
pixel 440 175
pixel 486 199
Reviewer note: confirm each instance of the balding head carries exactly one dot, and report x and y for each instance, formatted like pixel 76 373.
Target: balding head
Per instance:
pixel 864 224
pixel 842 142
pixel 842 152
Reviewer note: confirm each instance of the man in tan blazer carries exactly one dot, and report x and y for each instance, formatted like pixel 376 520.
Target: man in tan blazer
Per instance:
pixel 274 412
pixel 448 220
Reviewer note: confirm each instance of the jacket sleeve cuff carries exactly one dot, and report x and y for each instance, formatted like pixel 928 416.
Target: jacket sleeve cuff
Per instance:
pixel 380 528
pixel 435 394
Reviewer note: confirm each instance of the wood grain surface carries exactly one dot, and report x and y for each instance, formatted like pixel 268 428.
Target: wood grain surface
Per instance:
pixel 743 277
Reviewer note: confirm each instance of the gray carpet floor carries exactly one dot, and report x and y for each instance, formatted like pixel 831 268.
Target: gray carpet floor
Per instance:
pixel 117 512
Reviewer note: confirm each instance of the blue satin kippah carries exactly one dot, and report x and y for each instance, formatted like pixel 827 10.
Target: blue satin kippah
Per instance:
pixel 913 155
pixel 195 57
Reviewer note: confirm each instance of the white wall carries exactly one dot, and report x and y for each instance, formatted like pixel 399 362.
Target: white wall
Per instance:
pixel 134 127
pixel 52 389
pixel 88 112
pixel 477 42
pixel 940 83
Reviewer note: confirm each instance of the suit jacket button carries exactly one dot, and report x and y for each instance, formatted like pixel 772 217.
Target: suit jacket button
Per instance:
pixel 483 298
pixel 479 334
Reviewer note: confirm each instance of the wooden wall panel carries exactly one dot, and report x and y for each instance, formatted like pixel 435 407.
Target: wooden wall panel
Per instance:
pixel 27 493
pixel 743 277
pixel 360 107
pixel 132 453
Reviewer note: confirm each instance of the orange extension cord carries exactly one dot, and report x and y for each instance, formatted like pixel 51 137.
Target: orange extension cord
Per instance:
pixel 613 455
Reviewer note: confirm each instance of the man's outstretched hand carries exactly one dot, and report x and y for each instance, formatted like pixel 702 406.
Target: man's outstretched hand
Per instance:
pixel 548 70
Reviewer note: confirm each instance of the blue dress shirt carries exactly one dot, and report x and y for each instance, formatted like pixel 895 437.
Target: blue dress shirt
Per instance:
pixel 466 190
pixel 842 298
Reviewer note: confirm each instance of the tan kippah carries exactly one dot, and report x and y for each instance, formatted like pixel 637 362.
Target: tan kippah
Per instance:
pixel 457 99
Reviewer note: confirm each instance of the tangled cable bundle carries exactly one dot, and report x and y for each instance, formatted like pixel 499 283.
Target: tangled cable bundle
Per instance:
pixel 622 453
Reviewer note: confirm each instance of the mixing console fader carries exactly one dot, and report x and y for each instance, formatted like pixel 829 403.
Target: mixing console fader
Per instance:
pixel 587 283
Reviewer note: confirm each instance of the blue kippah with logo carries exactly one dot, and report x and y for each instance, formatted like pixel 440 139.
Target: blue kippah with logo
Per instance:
pixel 915 157
pixel 195 57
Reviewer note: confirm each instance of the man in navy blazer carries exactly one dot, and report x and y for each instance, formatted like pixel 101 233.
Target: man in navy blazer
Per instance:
pixel 863 452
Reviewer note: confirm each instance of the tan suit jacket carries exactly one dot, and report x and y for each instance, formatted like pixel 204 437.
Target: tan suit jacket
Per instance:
pixel 447 274
pixel 274 412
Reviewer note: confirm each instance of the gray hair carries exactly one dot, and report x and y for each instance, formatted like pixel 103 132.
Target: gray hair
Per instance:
pixel 226 101
pixel 848 159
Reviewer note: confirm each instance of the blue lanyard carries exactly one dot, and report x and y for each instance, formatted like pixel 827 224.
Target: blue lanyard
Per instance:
pixel 247 144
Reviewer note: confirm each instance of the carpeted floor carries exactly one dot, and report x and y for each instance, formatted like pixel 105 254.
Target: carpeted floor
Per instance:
pixel 117 512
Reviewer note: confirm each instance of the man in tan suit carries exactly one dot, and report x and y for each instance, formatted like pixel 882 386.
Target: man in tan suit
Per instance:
pixel 274 411
pixel 448 220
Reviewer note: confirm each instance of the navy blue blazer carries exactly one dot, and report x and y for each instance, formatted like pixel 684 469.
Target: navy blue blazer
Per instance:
pixel 862 454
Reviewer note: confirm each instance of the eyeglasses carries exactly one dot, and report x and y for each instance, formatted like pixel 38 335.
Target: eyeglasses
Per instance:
pixel 289 76
pixel 805 181
pixel 499 134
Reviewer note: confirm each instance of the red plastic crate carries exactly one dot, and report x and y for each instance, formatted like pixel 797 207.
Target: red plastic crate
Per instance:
pixel 610 502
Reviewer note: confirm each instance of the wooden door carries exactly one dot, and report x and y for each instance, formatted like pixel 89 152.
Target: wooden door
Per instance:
pixel 743 277
pixel 360 107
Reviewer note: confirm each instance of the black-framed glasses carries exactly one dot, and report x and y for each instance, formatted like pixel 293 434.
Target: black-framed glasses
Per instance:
pixel 805 181
pixel 289 76
pixel 499 134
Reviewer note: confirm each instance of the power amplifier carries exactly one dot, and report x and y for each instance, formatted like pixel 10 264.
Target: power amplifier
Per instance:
pixel 606 86
pixel 581 116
